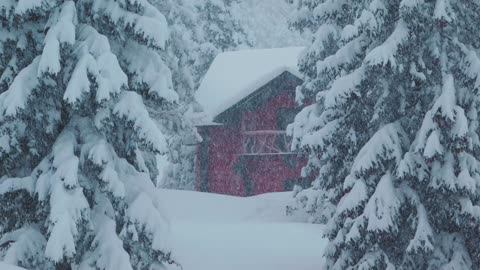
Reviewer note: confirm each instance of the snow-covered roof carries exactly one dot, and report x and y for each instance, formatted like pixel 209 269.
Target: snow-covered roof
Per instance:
pixel 237 74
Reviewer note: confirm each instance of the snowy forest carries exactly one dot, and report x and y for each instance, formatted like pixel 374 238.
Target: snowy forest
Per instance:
pixel 239 134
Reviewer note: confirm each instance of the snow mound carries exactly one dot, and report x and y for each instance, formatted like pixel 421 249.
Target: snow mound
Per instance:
pixel 217 232
pixel 191 205
pixel 4 266
pixel 235 75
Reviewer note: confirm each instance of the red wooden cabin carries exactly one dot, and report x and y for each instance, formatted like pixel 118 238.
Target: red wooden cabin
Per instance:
pixel 245 150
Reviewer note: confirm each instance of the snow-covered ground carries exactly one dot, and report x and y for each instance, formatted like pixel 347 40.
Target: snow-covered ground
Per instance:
pixel 4 266
pixel 215 232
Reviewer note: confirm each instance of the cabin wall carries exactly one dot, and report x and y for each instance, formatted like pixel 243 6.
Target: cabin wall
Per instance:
pixel 273 173
pixel 232 171
pixel 266 117
pixel 223 145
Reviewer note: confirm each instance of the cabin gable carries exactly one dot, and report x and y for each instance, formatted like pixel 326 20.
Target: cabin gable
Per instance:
pixel 276 93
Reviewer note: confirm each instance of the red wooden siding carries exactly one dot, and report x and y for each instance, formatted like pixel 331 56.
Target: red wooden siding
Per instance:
pixel 230 166
pixel 265 117
pixel 270 173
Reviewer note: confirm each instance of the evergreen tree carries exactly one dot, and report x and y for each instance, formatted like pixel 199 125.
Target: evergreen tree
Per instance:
pixel 393 135
pixel 77 144
pixel 219 26
pixel 178 167
pixel 199 31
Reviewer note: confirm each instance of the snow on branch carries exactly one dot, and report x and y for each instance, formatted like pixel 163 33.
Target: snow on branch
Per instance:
pixel 382 209
pixel 453 253
pixel 385 145
pixel 446 102
pixel 322 137
pixel 370 20
pixel 460 127
pixel 66 199
pixel 67 209
pixel 443 11
pixel 468 208
pixel 25 6
pixel 17 95
pixel 61 30
pixel 433 147
pixel 358 225
pixel 146 218
pixel 9 70
pixel 467 178
pixel 15 184
pixel 357 196
pixel 410 4
pixel 97 60
pixel 102 155
pixel 99 153
pixel 373 258
pixel 148 68
pixel 26 244
pixel 151 27
pixel 344 87
pixel 329 8
pixel 471 61
pixel 64 162
pixel 109 251
pixel 443 174
pixel 423 238
pixel 424 234
pixel 7 5
pixel 130 106
pixel 323 34
pixel 427 127
pixel 413 166
pixel 345 56
pixel 385 53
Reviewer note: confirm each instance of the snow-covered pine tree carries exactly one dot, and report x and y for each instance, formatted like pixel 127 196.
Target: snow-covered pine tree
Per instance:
pixel 77 144
pixel 199 31
pixel 219 26
pixel 393 135
pixel 182 44
pixel 178 166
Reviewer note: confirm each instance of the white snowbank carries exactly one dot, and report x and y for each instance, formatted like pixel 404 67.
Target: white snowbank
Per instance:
pixel 198 206
pixel 4 266
pixel 234 75
pixel 252 246
pixel 216 232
